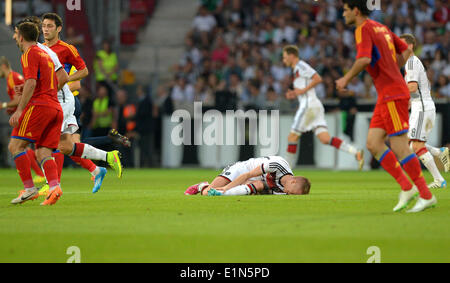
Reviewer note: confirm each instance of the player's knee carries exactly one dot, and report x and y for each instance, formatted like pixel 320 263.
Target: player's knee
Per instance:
pixel 293 137
pixel 372 147
pixel 416 146
pixel 259 185
pixel 15 148
pixel 324 140
pixel 66 147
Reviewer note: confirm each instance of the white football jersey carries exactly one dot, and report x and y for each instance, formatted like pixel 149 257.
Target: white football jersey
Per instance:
pixel 65 91
pixel 303 74
pixel 415 72
pixel 276 166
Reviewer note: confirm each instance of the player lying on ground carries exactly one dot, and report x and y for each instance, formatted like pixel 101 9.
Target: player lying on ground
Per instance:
pixel 264 175
pixel 310 114
pixel 423 116
pixel 382 53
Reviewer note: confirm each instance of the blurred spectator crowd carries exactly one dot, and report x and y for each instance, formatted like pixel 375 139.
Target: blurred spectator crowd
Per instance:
pixel 233 52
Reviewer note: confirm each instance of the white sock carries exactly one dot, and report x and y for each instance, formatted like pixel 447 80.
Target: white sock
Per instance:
pixel 428 160
pixel 95 172
pixel 93 153
pixel 433 150
pixel 346 147
pixel 291 158
pixel 242 190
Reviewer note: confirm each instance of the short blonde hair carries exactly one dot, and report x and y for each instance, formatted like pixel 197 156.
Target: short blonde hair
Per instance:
pixel 291 50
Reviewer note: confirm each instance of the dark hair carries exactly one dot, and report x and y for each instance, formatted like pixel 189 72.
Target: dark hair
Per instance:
pixel 54 17
pixel 360 4
pixel 31 19
pixel 29 31
pixel 410 39
pixel 291 50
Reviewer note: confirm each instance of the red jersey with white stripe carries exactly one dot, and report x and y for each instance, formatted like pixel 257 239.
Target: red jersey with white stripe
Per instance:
pixel 376 41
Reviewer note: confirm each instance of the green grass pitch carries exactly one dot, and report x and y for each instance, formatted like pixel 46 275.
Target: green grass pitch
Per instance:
pixel 146 218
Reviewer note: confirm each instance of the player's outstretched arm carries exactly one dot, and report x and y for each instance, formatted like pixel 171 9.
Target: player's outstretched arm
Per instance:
pixel 242 179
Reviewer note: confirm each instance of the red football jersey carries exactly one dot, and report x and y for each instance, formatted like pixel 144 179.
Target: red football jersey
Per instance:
pixel 376 41
pixel 68 56
pixel 38 65
pixel 14 79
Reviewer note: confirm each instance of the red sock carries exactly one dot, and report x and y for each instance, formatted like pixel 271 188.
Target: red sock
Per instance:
pixel 389 162
pixel 51 172
pixel 422 151
pixel 78 149
pixel 411 165
pixel 59 159
pixel 336 142
pixel 292 148
pixel 34 164
pixel 23 168
pixel 85 163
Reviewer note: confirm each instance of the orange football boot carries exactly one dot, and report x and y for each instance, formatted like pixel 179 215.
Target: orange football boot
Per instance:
pixel 53 196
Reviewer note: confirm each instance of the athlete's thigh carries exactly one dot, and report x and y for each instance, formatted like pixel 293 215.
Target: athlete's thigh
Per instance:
pixel 219 182
pixel 231 172
pixel 421 124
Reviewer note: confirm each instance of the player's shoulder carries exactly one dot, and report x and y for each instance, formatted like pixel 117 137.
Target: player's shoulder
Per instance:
pixel 67 47
pixel 17 76
pixel 414 63
pixel 278 162
pixel 27 55
pixel 302 65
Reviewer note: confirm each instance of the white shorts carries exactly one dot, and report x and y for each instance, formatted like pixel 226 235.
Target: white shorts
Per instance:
pixel 421 124
pixel 231 172
pixel 308 119
pixel 69 125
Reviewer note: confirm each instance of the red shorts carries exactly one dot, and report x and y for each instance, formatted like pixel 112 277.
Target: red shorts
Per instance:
pixel 392 116
pixel 40 125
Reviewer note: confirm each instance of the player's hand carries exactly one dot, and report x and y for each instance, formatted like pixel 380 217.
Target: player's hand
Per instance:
pixel 299 92
pixel 18 89
pixel 10 110
pixel 14 120
pixel 341 84
pixel 291 94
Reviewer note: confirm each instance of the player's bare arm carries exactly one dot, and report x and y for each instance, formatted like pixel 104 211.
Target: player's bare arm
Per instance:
pixel 28 91
pixel 359 66
pixel 403 58
pixel 413 87
pixel 75 86
pixel 242 179
pixel 316 80
pixel 79 75
pixel 13 103
pixel 63 78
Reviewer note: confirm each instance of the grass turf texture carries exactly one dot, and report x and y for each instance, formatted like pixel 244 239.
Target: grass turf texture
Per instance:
pixel 146 218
